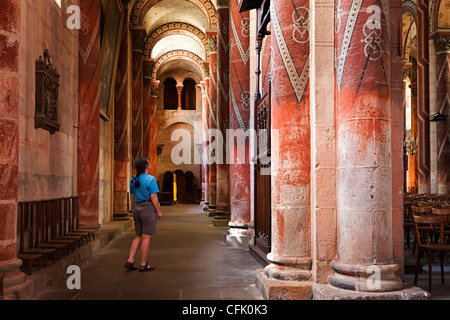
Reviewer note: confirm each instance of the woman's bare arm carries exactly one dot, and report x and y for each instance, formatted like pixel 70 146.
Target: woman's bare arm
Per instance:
pixel 156 204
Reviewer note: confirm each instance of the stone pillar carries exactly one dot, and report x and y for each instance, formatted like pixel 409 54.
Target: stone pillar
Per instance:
pixel 121 141
pixel 9 141
pixel 364 144
pixel 240 97
pixel 180 96
pixel 137 95
pixel 423 97
pixel 397 133
pixel 204 133
pixel 153 127
pixel 443 101
pixel 147 107
pixel 89 116
pixel 291 152
pixel 211 86
pixel 223 113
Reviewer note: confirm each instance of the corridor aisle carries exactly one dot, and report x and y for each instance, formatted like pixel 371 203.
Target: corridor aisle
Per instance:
pixel 191 259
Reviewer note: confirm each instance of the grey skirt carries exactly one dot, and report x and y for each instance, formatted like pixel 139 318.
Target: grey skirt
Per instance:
pixel 145 218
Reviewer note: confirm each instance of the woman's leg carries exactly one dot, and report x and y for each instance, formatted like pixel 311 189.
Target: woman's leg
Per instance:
pixel 145 246
pixel 134 248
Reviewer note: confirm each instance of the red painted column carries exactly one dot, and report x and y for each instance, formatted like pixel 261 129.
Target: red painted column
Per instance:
pixel 211 89
pixel 443 101
pixel 137 95
pixel 204 133
pixel 153 127
pixel 397 129
pixel 89 116
pixel 121 109
pixel 10 30
pixel 364 146
pixel 223 112
pixel 240 98
pixel 291 147
pixel 147 108
pixel 423 96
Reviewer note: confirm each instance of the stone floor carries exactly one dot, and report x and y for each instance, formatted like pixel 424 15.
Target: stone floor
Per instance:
pixel 191 259
pixel 438 291
pixel 192 263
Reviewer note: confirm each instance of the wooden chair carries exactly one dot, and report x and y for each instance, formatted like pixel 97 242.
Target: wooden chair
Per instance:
pixel 2 285
pixel 62 228
pixel 42 231
pixel 85 236
pixel 420 209
pixel 444 211
pixel 76 220
pixel 29 259
pixel 429 248
pixel 408 222
pixel 52 222
pixel 26 230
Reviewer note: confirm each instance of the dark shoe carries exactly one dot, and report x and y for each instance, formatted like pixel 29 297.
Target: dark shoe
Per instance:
pixel 130 266
pixel 146 268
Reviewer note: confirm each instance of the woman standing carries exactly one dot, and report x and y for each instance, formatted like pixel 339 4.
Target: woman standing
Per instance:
pixel 144 189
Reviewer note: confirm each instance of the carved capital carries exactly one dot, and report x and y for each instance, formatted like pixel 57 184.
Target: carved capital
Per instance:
pixel 442 43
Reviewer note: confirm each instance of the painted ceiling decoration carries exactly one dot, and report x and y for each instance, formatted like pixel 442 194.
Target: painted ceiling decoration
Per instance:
pixel 143 7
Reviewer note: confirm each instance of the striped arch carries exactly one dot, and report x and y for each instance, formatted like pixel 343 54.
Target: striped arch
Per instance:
pixel 143 6
pixel 410 7
pixel 177 55
pixel 178 28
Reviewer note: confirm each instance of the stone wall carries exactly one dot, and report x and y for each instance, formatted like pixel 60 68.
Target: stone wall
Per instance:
pixel 47 163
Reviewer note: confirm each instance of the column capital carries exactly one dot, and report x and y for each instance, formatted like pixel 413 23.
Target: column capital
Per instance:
pixel 442 43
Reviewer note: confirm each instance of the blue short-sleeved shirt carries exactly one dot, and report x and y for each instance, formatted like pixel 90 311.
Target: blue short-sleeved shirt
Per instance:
pixel 148 187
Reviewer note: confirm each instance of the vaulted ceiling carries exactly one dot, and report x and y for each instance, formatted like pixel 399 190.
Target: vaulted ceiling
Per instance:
pixel 175 28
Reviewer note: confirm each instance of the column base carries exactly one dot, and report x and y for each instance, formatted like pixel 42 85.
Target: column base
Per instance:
pixel 12 275
pixel 329 292
pixel 273 289
pixel 221 219
pixel 210 211
pixel 239 237
pixel 361 278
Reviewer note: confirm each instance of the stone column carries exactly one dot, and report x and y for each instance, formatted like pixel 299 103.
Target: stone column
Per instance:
pixel 204 133
pixel 211 90
pixel 423 96
pixel 364 145
pixel 153 127
pixel 137 95
pixel 121 141
pixel 9 141
pixel 180 92
pixel 291 152
pixel 89 116
pixel 223 113
pixel 443 101
pixel 147 107
pixel 240 97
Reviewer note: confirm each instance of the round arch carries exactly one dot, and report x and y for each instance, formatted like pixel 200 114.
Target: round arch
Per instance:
pixel 141 7
pixel 175 28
